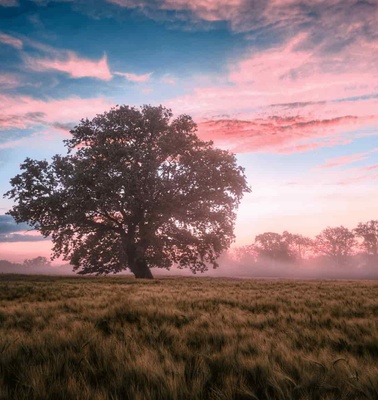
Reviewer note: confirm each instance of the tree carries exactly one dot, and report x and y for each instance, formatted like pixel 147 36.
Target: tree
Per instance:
pixel 137 189
pixel 369 233
pixel 37 262
pixel 299 245
pixel 336 243
pixel 274 246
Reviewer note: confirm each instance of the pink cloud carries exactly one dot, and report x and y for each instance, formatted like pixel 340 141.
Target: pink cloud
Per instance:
pixel 25 112
pixel 285 74
pixel 9 81
pixel 168 80
pixel 68 62
pixel 370 167
pixel 289 99
pixel 10 40
pixel 344 160
pixel 354 179
pixel 346 19
pixel 208 10
pixel 135 77
pixel 277 133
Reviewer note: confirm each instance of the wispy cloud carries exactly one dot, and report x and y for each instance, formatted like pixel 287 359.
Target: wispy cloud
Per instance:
pixel 277 133
pixel 21 112
pixel 331 23
pixel 9 225
pixel 11 40
pixel 288 97
pixel 135 77
pixel 70 63
pixel 358 178
pixel 9 3
pixel 169 80
pixel 9 81
pixel 345 160
pixel 283 97
pixel 21 237
pixel 370 168
pixel 10 231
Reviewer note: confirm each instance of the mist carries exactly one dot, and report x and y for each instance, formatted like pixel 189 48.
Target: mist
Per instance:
pixel 358 267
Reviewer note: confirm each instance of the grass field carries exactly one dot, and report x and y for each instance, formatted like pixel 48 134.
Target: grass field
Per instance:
pixel 187 338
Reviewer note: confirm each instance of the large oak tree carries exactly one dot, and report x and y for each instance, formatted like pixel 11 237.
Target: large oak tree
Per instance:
pixel 137 189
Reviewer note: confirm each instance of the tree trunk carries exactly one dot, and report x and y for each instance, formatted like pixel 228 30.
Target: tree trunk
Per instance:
pixel 141 270
pixel 135 257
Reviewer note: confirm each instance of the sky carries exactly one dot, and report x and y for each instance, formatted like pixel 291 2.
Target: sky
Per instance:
pixel 290 86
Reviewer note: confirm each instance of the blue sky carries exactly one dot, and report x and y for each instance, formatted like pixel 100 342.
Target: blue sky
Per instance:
pixel 290 86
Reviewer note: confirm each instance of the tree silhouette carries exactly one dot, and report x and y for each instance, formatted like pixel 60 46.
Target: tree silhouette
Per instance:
pixel 368 231
pixel 299 245
pixel 37 262
pixel 336 243
pixel 274 246
pixel 137 189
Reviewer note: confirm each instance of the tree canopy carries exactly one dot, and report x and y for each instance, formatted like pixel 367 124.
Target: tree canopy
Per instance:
pixel 137 189
pixel 336 243
pixel 37 262
pixel 273 246
pixel 368 231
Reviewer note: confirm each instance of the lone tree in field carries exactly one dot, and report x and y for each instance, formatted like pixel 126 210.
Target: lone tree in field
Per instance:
pixel 137 189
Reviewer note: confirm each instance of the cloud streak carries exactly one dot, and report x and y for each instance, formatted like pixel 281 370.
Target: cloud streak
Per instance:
pixel 345 160
pixel 70 63
pixel 277 133
pixel 135 77
pixel 9 3
pixel 22 112
pixel 9 225
pixel 314 81
pixel 288 99
pixel 11 41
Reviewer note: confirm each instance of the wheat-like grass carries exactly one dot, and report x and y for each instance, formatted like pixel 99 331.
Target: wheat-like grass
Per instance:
pixel 187 338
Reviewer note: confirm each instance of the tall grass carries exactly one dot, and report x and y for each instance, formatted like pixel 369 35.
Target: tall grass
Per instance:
pixel 187 338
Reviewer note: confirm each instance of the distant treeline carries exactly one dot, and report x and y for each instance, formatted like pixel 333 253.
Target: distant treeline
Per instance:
pixel 334 252
pixel 38 265
pixel 337 252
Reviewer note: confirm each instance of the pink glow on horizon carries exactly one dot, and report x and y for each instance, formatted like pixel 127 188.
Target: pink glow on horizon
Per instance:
pixel 73 65
pixel 19 251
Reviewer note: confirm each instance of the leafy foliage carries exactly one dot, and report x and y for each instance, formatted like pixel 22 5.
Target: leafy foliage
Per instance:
pixel 37 262
pixel 273 246
pixel 336 243
pixel 137 189
pixel 368 231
